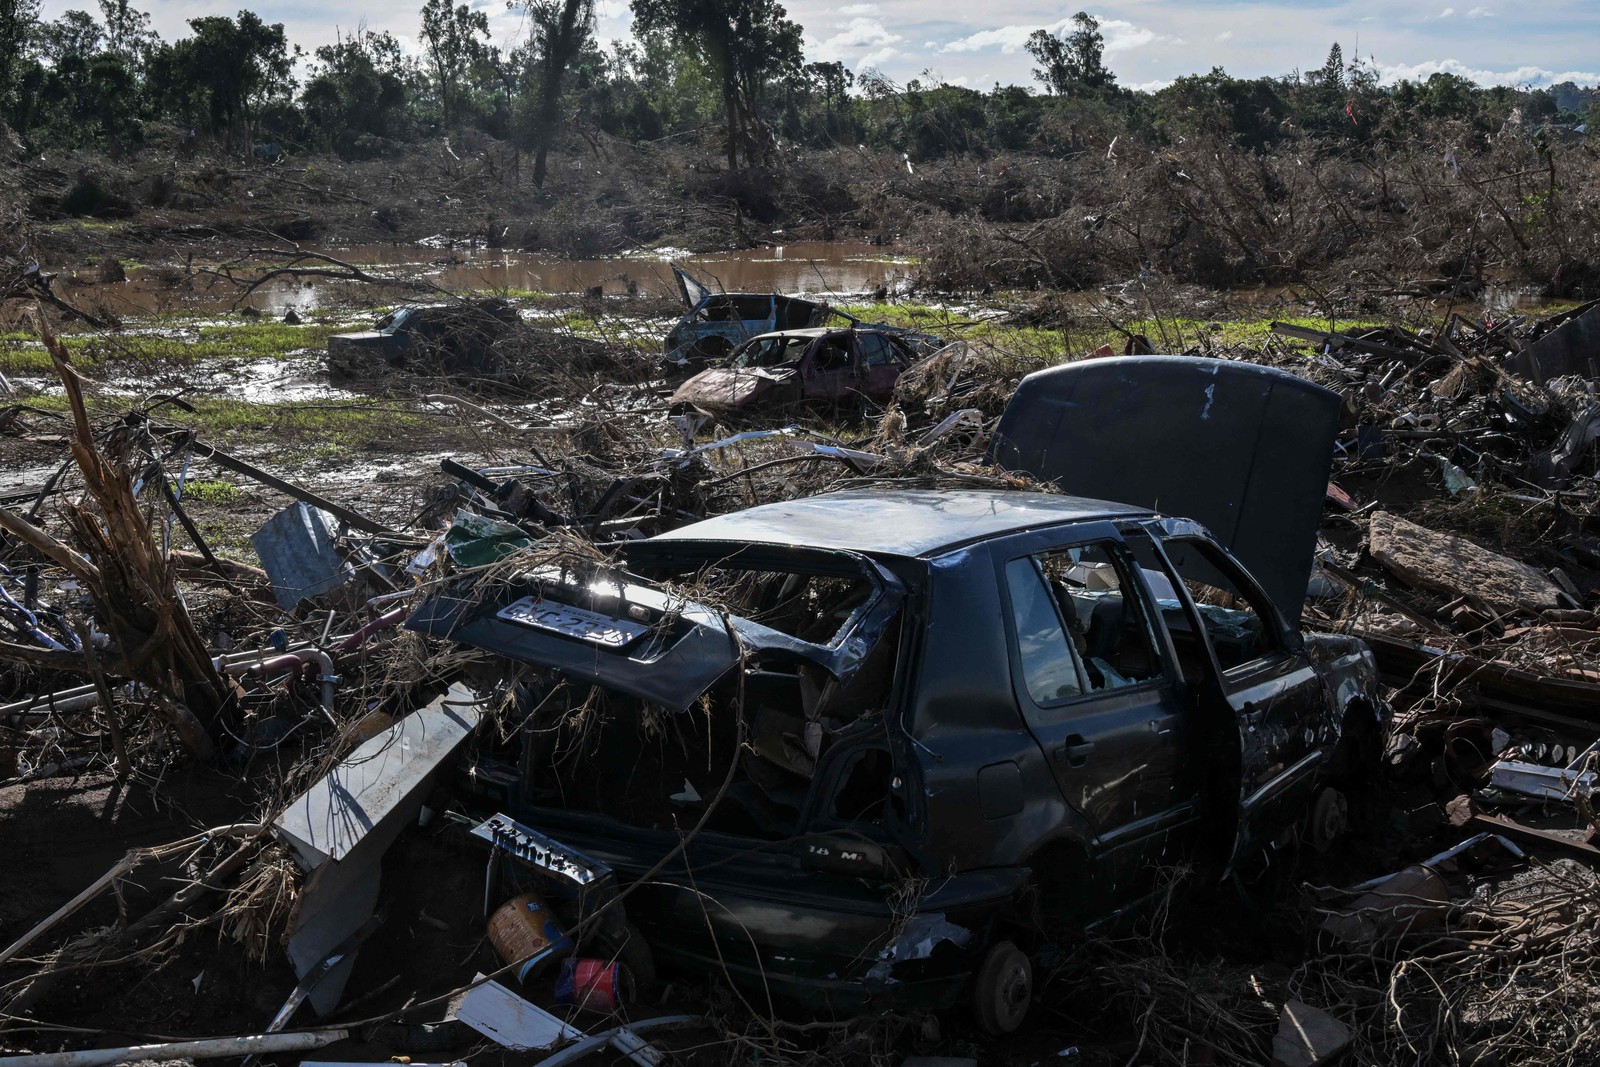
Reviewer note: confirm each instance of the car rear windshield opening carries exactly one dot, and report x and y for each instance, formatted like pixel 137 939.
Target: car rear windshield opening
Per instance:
pixel 585 748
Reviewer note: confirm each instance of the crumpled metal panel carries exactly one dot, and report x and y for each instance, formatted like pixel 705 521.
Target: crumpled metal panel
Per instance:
pixel 299 550
pixel 340 828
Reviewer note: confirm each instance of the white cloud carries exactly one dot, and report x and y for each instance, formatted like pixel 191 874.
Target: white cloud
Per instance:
pixel 1447 13
pixel 1007 38
pixel 1225 35
pixel 1120 36
pixel 859 9
pixel 859 33
pixel 879 56
pixel 1125 36
pixel 1480 13
pixel 1533 77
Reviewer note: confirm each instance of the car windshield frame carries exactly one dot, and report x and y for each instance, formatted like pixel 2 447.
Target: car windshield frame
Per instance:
pixel 800 345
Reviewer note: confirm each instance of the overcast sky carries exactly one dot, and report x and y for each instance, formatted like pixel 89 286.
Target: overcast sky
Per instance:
pixel 1148 42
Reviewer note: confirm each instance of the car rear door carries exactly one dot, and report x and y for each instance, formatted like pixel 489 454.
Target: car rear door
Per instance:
pixel 882 360
pixel 829 371
pixel 1235 648
pixel 1094 682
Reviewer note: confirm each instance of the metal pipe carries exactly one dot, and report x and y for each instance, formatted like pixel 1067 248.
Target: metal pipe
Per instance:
pixel 359 638
pixel 209 1048
pixel 274 659
pixel 87 696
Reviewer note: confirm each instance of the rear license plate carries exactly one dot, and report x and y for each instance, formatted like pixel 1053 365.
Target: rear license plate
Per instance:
pixel 564 619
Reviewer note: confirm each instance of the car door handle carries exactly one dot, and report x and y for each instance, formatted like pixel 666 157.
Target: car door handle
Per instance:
pixel 1075 750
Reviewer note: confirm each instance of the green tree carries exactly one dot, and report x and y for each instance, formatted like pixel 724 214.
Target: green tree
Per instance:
pixel 455 42
pixel 72 38
pixel 1074 63
pixel 128 33
pixel 357 88
pixel 18 19
pixel 746 44
pixel 234 68
pixel 561 29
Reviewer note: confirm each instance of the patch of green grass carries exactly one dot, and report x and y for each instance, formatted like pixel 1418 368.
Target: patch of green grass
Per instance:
pixel 1087 333
pixel 295 430
pixel 87 225
pixel 211 492
pixel 171 341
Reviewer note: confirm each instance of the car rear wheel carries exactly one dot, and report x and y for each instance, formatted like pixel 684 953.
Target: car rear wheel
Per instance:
pixel 1002 989
pixel 1328 819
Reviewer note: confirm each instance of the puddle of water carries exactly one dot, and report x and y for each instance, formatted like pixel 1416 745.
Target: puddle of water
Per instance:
pixel 255 381
pixel 816 267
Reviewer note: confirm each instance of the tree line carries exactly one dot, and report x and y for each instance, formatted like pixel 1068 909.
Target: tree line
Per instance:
pixel 107 80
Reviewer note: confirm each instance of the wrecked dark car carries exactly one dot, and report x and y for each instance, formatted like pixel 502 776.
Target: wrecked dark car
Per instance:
pixel 716 323
pixel 485 340
pixel 456 335
pixel 840 368
pixel 917 720
pixel 891 781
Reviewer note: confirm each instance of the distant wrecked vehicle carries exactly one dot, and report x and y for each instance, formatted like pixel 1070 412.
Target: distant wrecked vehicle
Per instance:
pixel 456 335
pixel 717 323
pixel 478 338
pixel 909 722
pixel 842 368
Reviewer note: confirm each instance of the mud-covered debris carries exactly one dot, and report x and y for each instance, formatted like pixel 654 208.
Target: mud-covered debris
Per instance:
pixel 1454 565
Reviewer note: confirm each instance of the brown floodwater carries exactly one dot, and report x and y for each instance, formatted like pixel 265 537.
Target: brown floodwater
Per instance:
pixel 837 268
pixel 841 269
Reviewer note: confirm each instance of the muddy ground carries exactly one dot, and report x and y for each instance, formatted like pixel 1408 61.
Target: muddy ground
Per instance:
pixel 249 382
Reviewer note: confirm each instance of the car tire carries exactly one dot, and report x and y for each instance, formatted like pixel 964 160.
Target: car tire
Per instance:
pixel 1328 820
pixel 1002 989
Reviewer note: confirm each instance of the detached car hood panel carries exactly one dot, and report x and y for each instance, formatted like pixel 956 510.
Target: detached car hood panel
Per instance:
pixel 1243 449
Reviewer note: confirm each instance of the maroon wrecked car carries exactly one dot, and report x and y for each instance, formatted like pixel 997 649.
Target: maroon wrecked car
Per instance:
pixel 847 368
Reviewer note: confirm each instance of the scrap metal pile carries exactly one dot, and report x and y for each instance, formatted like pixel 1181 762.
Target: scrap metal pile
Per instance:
pixel 1459 539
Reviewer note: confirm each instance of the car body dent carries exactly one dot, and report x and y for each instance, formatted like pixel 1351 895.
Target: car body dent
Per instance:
pixel 721 390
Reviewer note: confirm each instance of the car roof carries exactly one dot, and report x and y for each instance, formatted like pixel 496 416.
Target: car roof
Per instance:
pixel 806 331
pixel 900 522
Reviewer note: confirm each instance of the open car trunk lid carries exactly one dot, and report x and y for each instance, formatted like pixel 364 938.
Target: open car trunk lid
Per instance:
pixel 1243 449
pixel 615 629
pixel 690 290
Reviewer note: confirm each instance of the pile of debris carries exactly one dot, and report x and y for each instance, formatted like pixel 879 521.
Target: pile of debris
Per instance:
pixel 357 691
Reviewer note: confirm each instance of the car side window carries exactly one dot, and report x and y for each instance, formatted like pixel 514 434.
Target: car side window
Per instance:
pixel 1082 624
pixel 1238 621
pixel 1106 615
pixel 1049 668
pixel 876 350
pixel 832 355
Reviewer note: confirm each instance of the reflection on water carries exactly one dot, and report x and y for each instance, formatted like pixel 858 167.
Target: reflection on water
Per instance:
pixel 818 267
